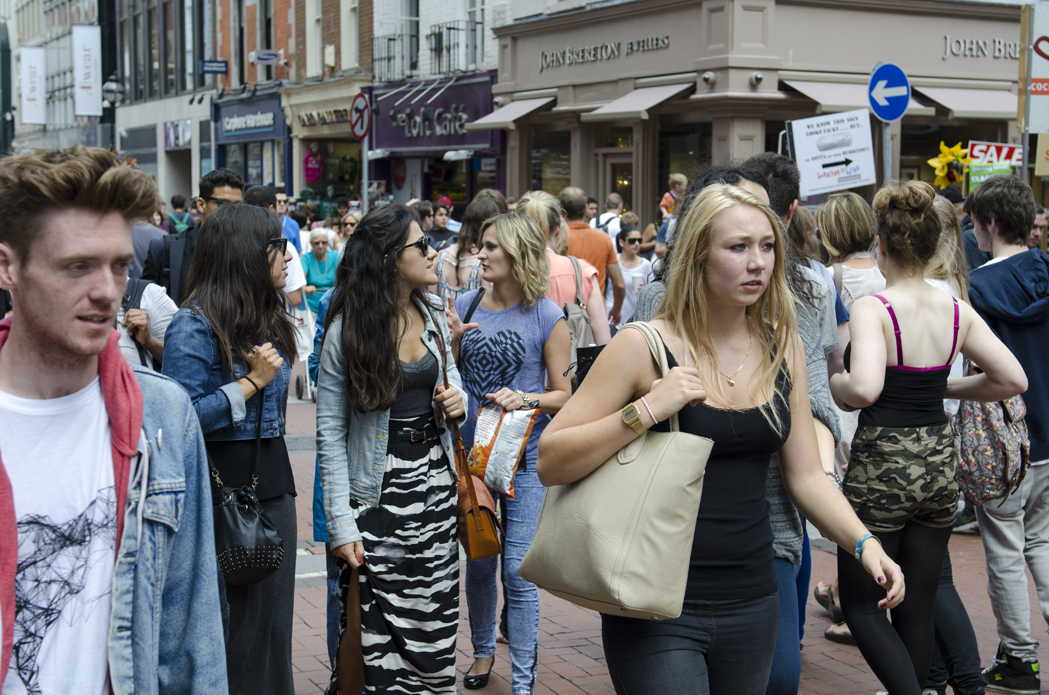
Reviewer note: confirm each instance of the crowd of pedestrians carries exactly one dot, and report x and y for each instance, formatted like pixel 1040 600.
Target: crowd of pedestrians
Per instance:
pixel 145 366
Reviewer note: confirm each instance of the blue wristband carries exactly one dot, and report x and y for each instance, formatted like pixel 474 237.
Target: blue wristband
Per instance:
pixel 860 542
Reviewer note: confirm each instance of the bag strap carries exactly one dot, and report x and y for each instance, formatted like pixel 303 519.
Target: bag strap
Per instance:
pixel 258 447
pixel 656 346
pixel 472 309
pixel 460 448
pixel 578 281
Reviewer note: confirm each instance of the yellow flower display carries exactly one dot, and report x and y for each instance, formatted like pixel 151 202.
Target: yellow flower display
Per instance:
pixel 950 165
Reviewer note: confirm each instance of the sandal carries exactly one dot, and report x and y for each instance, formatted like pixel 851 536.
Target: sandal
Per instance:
pixel 827 601
pixel 840 633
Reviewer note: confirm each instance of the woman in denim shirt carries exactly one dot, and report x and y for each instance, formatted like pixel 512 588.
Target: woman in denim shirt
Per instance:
pixel 230 342
pixel 386 457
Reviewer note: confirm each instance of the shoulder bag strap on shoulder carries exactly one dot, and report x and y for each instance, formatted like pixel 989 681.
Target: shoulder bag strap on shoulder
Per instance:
pixel 473 305
pixel 578 281
pixel 258 438
pixel 655 344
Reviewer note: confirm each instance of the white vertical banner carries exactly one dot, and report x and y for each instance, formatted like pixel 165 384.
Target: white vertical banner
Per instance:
pixel 87 70
pixel 1039 70
pixel 33 73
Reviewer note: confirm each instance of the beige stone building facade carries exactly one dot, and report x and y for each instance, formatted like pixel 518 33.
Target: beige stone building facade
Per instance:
pixel 619 96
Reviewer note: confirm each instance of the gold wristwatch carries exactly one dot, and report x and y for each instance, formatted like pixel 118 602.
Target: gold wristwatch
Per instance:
pixel 632 417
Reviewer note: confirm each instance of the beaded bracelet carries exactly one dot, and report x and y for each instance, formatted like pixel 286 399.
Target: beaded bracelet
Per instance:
pixel 835 478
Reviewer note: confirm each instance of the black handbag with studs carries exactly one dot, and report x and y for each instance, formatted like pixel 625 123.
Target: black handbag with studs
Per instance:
pixel 247 545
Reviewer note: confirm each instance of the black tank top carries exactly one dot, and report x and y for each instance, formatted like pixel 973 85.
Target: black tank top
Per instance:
pixel 732 549
pixel 911 396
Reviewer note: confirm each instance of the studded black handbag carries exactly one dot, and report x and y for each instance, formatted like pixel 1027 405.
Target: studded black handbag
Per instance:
pixel 247 545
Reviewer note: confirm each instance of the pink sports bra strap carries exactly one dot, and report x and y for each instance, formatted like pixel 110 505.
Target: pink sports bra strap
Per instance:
pixel 896 328
pixel 954 343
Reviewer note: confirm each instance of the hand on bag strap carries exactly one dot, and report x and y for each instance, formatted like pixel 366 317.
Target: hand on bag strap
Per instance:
pixel 659 354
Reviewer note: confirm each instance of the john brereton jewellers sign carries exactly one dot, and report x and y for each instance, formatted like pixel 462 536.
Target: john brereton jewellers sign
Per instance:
pixel 573 55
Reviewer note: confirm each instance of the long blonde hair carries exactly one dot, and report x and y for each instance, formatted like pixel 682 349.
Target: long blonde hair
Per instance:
pixel 845 224
pixel 684 305
pixel 546 211
pixel 525 243
pixel 949 262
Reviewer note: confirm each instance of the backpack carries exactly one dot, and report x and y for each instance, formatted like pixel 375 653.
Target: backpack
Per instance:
pixel 133 300
pixel 603 226
pixel 993 448
pixel 180 225
pixel 582 351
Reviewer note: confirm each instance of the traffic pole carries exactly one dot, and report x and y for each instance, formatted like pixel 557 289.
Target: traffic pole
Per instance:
pixel 886 151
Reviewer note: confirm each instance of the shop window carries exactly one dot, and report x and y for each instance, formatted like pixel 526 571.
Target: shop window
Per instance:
pixel 278 163
pixel 484 171
pixel 683 148
pixel 449 179
pixel 609 135
pixel 235 158
pixel 267 163
pixel 551 158
pixel 332 172
pixel 254 162
pixel 919 143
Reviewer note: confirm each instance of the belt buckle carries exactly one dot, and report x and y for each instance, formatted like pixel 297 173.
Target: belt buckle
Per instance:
pixel 413 440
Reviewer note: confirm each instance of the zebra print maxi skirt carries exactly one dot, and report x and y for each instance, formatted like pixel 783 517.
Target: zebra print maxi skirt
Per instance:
pixel 409 583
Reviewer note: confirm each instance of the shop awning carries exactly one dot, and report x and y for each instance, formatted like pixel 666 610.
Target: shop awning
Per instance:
pixel 636 104
pixel 843 96
pixel 974 103
pixel 507 117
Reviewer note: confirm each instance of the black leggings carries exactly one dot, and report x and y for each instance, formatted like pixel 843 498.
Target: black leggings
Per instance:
pixel 908 638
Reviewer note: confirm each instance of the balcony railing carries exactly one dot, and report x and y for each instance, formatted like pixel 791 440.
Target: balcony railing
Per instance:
pixel 395 57
pixel 456 46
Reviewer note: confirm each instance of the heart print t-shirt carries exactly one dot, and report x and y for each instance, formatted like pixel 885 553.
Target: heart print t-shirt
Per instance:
pixel 506 350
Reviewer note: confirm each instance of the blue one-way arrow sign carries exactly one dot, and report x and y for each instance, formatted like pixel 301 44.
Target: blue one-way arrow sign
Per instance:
pixel 889 92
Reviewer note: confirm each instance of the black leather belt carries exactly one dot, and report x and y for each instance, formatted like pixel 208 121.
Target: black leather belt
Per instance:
pixel 418 436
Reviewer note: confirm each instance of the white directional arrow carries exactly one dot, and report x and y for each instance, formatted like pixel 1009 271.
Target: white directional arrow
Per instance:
pixel 881 93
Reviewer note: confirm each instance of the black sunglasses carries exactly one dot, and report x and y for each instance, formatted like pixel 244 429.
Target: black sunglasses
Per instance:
pixel 422 243
pixel 633 240
pixel 278 242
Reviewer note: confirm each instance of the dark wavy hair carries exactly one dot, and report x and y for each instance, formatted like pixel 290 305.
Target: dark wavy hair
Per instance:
pixel 230 283
pixel 367 304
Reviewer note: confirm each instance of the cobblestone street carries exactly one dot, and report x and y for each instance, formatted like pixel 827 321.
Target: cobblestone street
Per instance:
pixel 570 654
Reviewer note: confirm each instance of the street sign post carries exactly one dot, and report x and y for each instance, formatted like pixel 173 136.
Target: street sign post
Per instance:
pixel 360 126
pixel 833 152
pixel 889 94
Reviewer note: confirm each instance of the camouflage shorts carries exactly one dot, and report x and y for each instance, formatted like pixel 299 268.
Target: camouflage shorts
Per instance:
pixel 897 474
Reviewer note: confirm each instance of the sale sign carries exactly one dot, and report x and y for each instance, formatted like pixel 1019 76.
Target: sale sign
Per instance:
pixel 984 153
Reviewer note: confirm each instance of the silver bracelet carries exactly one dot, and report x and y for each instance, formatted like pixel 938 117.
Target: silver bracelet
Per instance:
pixel 835 478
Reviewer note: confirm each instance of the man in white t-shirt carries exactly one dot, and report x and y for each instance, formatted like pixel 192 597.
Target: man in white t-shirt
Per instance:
pixel 608 221
pixel 101 515
pixel 143 323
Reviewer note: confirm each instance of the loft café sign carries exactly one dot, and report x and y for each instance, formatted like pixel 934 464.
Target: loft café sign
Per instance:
pixel 598 52
pixel 430 121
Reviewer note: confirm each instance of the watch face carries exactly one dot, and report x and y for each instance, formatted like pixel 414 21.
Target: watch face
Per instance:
pixel 630 412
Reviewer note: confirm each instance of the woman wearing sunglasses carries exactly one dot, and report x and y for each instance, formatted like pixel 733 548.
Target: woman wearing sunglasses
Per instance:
pixel 319 264
pixel 386 460
pixel 637 270
pixel 349 224
pixel 231 346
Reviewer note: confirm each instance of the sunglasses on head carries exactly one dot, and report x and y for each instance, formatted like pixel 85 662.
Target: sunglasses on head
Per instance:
pixel 422 243
pixel 280 243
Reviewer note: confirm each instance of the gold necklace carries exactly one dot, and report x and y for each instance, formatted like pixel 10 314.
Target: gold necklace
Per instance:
pixel 732 379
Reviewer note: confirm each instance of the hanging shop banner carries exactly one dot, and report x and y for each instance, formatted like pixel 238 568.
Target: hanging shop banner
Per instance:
pixel 33 73
pixel 985 153
pixel 1038 71
pixel 833 152
pixel 978 173
pixel 87 70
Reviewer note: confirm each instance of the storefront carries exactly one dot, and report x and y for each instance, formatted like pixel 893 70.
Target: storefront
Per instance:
pixel 421 134
pixel 325 156
pixel 252 138
pixel 619 97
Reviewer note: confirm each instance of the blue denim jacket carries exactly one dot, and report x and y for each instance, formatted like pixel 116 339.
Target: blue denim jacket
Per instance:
pixel 191 357
pixel 352 446
pixel 313 365
pixel 165 631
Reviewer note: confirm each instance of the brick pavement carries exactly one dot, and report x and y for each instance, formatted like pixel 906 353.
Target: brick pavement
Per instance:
pixel 570 655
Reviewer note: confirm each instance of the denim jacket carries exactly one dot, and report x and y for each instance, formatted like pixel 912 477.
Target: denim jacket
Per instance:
pixel 165 631
pixel 191 357
pixel 352 446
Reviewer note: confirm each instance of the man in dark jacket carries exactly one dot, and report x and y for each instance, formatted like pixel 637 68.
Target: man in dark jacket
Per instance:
pixel 1011 293
pixel 169 258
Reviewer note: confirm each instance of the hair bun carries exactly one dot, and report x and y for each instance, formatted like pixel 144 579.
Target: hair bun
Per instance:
pixel 912 196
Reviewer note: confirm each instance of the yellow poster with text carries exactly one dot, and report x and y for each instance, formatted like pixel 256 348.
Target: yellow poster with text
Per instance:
pixel 1041 155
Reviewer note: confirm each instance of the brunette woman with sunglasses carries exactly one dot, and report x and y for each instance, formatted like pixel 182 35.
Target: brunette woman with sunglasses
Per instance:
pixel 387 464
pixel 231 346
pixel 637 270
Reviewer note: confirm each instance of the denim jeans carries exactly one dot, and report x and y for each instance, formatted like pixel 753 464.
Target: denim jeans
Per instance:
pixel 786 661
pixel 802 581
pixel 520 516
pixel 1015 531
pixel 956 656
pixel 712 648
